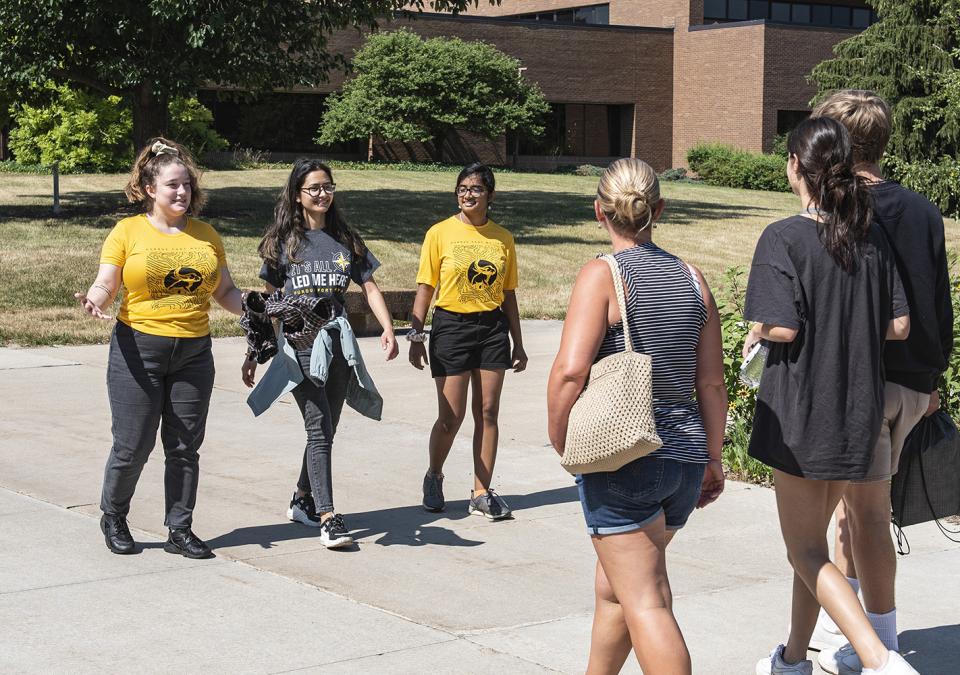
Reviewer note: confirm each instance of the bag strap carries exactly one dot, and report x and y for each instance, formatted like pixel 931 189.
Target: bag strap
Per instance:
pixel 621 300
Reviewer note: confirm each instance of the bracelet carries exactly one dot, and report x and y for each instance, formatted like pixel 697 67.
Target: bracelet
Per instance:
pixel 414 335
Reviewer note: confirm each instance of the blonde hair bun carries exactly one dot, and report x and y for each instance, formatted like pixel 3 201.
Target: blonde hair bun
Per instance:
pixel 628 193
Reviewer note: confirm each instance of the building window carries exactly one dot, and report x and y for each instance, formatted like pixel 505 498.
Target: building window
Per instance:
pixel 784 11
pixel 861 18
pixel 821 15
pixel 596 15
pixel 787 120
pixel 780 11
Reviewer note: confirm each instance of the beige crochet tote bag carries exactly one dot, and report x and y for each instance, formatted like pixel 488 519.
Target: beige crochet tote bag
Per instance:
pixel 612 424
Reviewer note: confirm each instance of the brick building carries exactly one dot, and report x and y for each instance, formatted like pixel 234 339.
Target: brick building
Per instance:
pixel 646 78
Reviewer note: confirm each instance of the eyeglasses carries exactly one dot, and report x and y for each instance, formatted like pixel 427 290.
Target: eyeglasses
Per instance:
pixel 475 190
pixel 315 190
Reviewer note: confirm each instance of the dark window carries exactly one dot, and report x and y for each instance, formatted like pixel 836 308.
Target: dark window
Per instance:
pixel 715 9
pixel 737 10
pixel 840 16
pixel 801 13
pixel 861 18
pixel 787 120
pixel 565 16
pixel 759 9
pixel 780 11
pixel 821 15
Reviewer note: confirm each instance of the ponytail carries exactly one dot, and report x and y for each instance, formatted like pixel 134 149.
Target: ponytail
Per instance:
pixel 825 164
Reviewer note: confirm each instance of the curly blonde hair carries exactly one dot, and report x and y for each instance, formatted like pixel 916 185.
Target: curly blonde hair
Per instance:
pixel 158 153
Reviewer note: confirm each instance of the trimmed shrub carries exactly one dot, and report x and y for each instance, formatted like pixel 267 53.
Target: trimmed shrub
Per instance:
pixel 726 166
pixel 87 132
pixel 82 131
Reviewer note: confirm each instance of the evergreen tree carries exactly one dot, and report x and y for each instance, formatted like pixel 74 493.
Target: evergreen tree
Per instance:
pixel 911 57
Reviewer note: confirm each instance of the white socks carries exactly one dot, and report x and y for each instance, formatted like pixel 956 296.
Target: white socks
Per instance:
pixel 827 623
pixel 886 627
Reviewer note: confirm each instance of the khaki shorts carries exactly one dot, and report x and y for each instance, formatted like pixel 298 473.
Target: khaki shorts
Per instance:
pixel 902 409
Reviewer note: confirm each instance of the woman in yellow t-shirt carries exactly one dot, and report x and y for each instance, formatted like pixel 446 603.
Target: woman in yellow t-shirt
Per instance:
pixel 471 264
pixel 160 364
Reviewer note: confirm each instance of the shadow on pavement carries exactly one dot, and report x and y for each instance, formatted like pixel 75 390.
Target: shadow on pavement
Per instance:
pixel 932 651
pixel 399 526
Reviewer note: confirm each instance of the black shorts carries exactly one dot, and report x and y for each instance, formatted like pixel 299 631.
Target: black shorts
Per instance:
pixel 460 343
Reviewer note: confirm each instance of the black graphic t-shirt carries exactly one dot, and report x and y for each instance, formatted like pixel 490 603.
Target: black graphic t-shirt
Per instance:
pixel 324 268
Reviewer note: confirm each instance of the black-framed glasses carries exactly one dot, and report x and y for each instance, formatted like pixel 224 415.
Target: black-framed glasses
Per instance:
pixel 475 190
pixel 315 190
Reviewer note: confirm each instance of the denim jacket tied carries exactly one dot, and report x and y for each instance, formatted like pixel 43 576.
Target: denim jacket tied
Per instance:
pixel 284 372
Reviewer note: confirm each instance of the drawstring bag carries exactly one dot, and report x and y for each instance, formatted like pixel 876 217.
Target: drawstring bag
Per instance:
pixel 612 423
pixel 927 483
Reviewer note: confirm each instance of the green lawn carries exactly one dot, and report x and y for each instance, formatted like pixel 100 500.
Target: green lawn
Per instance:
pixel 43 259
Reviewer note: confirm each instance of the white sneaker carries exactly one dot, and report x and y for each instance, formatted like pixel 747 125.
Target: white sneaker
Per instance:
pixel 843 661
pixel 775 665
pixel 826 637
pixel 896 665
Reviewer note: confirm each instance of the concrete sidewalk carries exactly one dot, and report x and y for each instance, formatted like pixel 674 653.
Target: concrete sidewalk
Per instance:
pixel 439 593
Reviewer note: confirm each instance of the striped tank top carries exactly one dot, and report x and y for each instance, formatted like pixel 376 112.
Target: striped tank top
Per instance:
pixel 666 312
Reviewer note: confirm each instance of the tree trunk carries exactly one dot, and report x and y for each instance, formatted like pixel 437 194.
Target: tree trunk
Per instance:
pixel 150 115
pixel 4 143
pixel 370 148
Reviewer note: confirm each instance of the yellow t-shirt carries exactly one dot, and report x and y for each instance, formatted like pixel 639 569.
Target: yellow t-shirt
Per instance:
pixel 168 277
pixel 470 266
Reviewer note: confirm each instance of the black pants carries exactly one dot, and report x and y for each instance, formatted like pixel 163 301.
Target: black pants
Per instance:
pixel 153 379
pixel 321 406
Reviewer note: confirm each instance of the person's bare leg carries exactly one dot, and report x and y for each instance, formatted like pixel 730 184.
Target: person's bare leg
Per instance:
pixel 843 546
pixel 868 513
pixel 610 639
pixel 487 386
pixel 451 408
pixel 805 508
pixel 635 566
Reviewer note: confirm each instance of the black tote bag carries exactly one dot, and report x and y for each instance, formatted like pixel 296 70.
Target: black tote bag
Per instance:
pixel 927 483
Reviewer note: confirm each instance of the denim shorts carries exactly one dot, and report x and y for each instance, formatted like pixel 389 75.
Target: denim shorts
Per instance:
pixel 635 495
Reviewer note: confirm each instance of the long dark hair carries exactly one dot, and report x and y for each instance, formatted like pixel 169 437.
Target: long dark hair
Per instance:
pixel 286 231
pixel 824 153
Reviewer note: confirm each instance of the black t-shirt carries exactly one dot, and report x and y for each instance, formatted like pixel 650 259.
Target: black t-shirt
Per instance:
pixel 915 229
pixel 324 268
pixel 820 403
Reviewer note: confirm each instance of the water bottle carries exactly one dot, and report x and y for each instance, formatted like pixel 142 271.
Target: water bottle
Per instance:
pixel 753 365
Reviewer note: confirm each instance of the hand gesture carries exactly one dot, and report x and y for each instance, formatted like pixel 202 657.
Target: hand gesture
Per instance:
pixel 247 371
pixel 518 359
pixel 712 485
pixel 91 308
pixel 388 343
pixel 418 355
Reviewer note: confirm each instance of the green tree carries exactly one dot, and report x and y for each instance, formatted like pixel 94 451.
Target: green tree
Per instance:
pixel 409 89
pixel 911 57
pixel 151 51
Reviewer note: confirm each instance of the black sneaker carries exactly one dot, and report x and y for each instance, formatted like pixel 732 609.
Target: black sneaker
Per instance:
pixel 184 542
pixel 303 510
pixel 333 532
pixel 433 492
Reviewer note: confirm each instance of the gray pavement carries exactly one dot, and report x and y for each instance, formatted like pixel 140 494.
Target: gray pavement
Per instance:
pixel 444 593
